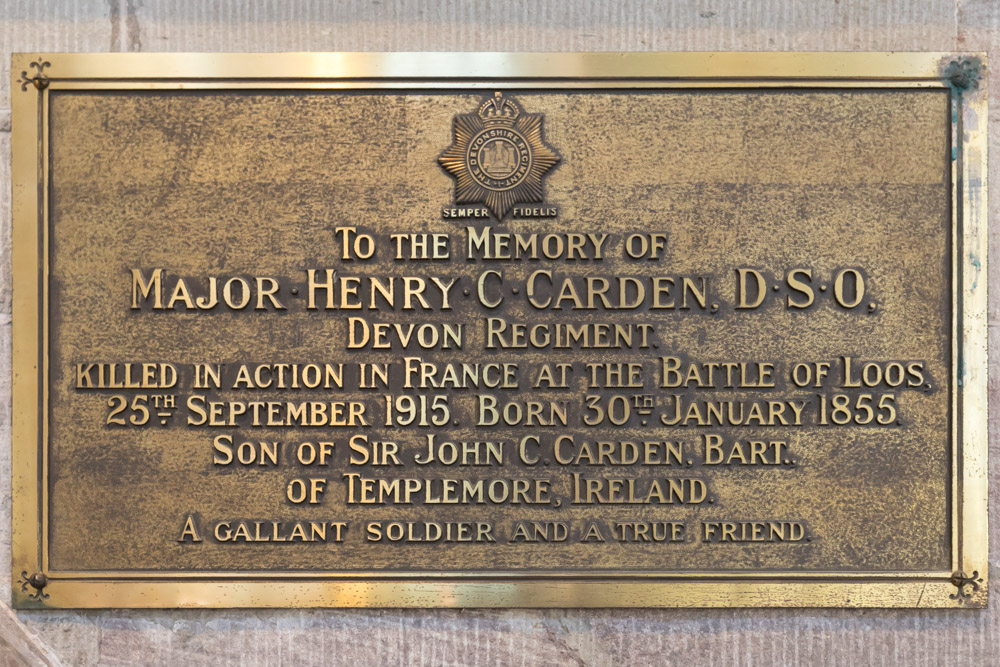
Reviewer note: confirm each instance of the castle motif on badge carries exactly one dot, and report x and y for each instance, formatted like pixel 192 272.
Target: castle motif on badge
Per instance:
pixel 498 157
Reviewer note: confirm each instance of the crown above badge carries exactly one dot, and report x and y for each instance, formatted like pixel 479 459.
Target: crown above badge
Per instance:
pixel 499 109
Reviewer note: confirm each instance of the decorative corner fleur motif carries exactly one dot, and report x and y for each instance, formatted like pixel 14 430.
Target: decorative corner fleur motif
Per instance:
pixel 967 586
pixel 965 74
pixel 39 80
pixel 38 581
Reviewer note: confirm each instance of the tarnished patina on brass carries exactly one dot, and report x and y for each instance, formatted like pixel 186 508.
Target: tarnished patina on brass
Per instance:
pixel 177 210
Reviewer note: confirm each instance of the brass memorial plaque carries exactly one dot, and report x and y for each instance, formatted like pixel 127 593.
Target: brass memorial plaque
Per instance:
pixel 514 330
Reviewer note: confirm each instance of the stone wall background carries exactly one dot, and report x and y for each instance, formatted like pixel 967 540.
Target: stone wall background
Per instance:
pixel 481 637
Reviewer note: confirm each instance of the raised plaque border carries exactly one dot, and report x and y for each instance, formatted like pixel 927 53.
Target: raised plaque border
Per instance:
pixel 35 75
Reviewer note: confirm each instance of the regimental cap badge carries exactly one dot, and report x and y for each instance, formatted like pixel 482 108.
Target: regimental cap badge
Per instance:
pixel 498 156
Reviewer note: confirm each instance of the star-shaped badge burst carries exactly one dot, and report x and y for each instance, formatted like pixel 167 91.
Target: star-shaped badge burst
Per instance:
pixel 498 157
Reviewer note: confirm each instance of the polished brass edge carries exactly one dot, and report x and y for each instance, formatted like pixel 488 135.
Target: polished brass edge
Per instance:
pixel 459 576
pixel 26 114
pixel 971 196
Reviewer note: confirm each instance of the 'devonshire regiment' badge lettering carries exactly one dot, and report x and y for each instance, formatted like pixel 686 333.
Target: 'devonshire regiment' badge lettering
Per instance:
pixel 498 157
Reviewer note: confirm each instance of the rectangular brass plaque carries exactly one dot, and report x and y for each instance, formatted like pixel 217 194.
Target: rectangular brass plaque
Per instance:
pixel 513 330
